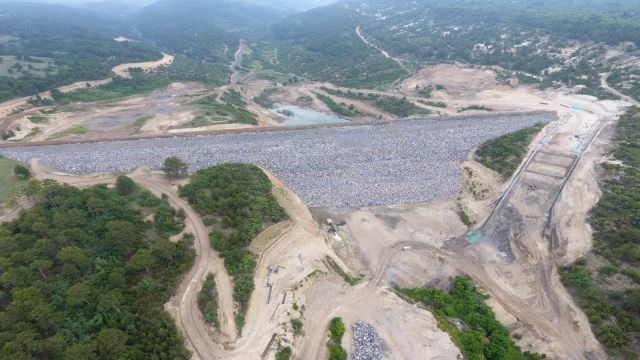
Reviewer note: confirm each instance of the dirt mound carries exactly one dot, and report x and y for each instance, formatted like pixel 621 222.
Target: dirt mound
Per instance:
pixel 457 81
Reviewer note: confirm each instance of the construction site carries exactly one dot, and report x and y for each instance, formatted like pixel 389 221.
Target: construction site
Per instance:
pixel 372 204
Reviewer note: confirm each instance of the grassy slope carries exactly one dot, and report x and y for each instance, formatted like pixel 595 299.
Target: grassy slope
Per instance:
pixel 9 184
pixel 503 154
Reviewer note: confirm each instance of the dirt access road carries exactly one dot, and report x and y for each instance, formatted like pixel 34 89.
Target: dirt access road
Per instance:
pixel 398 61
pixel 236 73
pixel 183 305
pixel 421 245
pixel 605 85
pixel 120 70
pixel 236 80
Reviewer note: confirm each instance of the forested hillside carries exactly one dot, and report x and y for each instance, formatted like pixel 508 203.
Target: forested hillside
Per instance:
pixel 204 29
pixel 292 5
pixel 532 37
pixel 84 276
pixel 45 46
pixel 322 45
pixel 606 282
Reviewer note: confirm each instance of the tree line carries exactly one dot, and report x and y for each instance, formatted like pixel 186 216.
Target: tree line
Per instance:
pixel 84 276
pixel 236 200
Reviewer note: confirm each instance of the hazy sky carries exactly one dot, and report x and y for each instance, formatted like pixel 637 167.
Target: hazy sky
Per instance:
pixel 146 2
pixel 299 5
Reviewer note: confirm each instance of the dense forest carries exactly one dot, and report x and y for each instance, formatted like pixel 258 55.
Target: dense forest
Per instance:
pixel 79 43
pixel 606 283
pixel 119 88
pixel 84 276
pixel 481 336
pixel 206 30
pixel 236 200
pixel 322 45
pixel 527 37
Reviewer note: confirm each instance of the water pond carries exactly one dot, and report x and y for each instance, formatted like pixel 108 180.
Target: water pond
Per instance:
pixel 296 116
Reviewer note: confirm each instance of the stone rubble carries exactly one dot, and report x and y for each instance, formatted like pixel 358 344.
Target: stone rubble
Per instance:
pixel 406 161
pixel 367 344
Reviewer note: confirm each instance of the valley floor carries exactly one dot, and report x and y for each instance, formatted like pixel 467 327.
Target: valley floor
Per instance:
pixel 538 222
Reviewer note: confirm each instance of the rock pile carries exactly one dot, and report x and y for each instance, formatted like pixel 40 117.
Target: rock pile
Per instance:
pixel 367 343
pixel 402 162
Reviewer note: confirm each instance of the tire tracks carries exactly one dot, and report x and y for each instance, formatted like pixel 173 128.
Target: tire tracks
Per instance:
pixel 192 323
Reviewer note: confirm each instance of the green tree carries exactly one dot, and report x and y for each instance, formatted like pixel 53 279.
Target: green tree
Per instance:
pixel 142 260
pixel 21 172
pixel 336 330
pixel 74 255
pixel 124 185
pixel 78 294
pixel 110 343
pixel 284 353
pixel 296 324
pixel 79 352
pixel 173 166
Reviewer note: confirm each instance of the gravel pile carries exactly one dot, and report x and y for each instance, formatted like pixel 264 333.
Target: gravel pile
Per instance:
pixel 362 165
pixel 367 343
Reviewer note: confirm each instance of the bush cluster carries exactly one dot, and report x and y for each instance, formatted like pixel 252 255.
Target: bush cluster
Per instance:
pixel 614 313
pixel 83 278
pixel 237 200
pixel 482 336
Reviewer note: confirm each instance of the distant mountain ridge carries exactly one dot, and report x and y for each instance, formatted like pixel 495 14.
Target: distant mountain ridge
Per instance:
pixel 203 29
pixel 524 36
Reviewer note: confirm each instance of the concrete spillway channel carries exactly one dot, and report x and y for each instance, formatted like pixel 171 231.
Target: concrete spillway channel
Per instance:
pixel 546 171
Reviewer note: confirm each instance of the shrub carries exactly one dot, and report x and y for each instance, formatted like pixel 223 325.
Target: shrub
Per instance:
pixel 21 172
pixel 336 331
pixel 296 324
pixel 284 353
pixel 124 185
pixel 483 336
pixel 173 166
pixel 505 153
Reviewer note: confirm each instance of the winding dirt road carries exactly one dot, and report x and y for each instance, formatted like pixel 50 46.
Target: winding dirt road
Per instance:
pixel 185 300
pixel 183 305
pixel 120 70
pixel 383 52
pixel 605 85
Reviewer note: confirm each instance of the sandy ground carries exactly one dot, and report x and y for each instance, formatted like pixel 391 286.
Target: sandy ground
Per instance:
pixel 459 82
pixel 409 245
pixel 297 246
pixel 166 111
pixel 122 70
pixel 421 245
